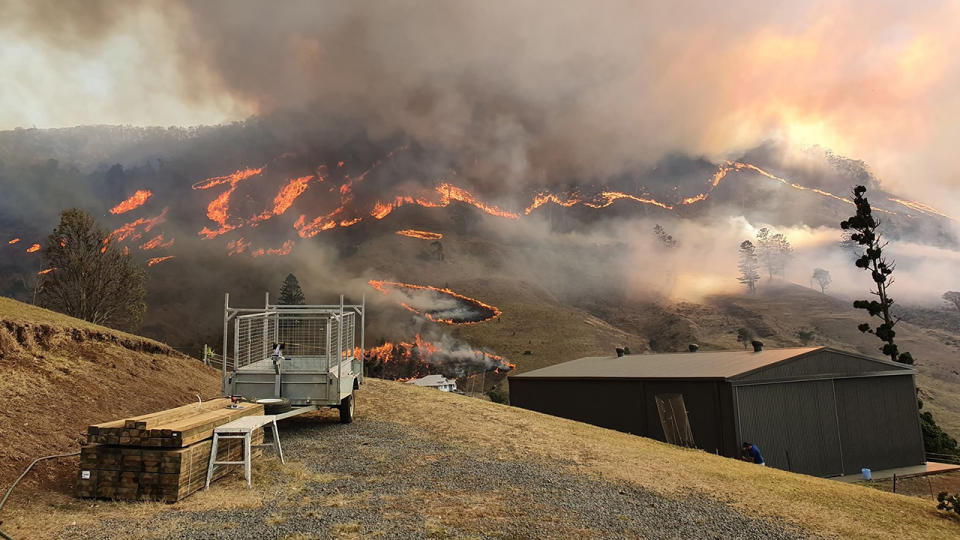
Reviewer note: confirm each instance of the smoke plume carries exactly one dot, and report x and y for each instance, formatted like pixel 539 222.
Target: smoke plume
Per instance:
pixel 519 91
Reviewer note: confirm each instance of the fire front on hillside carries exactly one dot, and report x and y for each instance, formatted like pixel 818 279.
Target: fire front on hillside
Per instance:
pixel 419 357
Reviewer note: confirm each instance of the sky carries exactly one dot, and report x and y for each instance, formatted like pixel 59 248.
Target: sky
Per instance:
pixel 561 88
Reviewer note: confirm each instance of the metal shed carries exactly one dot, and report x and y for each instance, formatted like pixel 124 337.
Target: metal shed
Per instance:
pixel 813 410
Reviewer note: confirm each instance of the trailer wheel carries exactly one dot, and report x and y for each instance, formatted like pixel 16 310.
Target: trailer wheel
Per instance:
pixel 347 407
pixel 275 405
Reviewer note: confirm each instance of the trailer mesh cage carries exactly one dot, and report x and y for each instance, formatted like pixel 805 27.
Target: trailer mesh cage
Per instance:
pixel 310 339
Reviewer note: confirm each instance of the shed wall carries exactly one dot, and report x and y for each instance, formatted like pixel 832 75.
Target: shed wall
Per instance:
pixel 879 423
pixel 613 404
pixel 628 405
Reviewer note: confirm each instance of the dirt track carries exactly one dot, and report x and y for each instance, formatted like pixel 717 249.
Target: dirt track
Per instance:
pixel 380 479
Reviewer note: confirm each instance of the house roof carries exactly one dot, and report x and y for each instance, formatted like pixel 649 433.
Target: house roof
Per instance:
pixel 697 365
pixel 431 380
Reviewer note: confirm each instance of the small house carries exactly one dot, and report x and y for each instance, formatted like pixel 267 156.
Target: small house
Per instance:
pixel 436 381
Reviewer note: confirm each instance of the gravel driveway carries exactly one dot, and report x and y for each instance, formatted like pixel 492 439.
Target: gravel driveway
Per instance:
pixel 383 480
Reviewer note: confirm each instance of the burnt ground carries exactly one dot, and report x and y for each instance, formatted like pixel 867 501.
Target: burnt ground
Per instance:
pixel 380 479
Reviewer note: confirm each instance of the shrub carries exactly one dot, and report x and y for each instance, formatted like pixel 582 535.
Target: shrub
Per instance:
pixel 950 503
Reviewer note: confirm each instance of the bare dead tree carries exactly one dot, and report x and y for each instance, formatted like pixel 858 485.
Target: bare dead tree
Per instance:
pixel 822 277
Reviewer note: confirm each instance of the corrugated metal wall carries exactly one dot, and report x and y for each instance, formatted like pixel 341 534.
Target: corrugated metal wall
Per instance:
pixel 793 424
pixel 879 423
pixel 628 405
pixel 611 404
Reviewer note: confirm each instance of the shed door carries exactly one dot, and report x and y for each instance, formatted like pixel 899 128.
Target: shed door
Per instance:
pixel 793 424
pixel 673 419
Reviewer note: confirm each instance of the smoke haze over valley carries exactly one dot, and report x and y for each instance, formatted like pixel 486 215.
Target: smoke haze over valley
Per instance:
pixel 521 145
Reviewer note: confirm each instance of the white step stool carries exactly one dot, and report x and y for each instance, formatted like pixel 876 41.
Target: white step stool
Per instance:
pixel 242 428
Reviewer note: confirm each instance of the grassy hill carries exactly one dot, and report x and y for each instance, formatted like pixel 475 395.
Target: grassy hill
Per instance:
pixel 416 462
pixel 421 463
pixel 59 374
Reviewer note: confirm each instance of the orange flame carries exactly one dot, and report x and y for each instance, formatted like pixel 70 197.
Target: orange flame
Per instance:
pixel 138 199
pixel 286 197
pixel 285 249
pixel 156 242
pixel 428 357
pixel 384 286
pixel 34 248
pixel 237 246
pixel 45 272
pixel 14 241
pixel 450 192
pixel 132 230
pixel 696 199
pixel 218 209
pixel 158 260
pixel 606 198
pixel 422 235
pixel 544 197
pixel 920 207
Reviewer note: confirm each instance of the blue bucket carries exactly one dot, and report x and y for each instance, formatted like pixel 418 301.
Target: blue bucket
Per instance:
pixel 866 474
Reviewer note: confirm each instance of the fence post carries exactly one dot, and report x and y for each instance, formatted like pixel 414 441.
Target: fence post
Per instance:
pixel 894 482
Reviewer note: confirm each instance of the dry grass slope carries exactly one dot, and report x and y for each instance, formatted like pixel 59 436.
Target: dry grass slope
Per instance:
pixel 823 506
pixel 59 374
pixel 485 431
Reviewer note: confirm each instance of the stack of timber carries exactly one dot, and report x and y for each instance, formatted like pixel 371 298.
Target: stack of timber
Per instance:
pixel 159 456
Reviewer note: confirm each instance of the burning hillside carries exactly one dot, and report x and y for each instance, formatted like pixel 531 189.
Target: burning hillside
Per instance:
pixel 419 357
pixel 436 304
pixel 267 209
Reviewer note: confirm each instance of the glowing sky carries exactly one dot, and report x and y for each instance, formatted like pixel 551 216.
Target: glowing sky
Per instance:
pixel 872 80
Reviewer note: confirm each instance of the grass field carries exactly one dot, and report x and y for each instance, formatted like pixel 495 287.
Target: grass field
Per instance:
pixel 485 431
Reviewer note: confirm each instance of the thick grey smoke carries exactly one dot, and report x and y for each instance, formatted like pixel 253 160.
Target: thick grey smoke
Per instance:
pixel 522 91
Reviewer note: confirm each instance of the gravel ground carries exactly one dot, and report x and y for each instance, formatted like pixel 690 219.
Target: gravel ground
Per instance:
pixel 378 479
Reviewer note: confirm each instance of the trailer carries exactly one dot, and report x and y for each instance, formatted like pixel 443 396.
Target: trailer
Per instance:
pixel 294 359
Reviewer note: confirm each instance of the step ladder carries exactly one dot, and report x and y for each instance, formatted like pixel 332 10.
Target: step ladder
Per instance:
pixel 242 428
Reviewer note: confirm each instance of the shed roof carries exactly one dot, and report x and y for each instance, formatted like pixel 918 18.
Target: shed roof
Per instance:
pixel 698 365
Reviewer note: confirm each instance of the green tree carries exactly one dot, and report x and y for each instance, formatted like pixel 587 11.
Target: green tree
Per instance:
pixel 89 277
pixel 290 292
pixel 865 233
pixel 749 274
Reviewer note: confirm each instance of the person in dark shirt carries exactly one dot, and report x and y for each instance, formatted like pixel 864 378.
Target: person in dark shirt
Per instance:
pixel 752 454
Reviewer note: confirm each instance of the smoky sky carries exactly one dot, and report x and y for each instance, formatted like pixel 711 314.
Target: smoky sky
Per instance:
pixel 558 90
